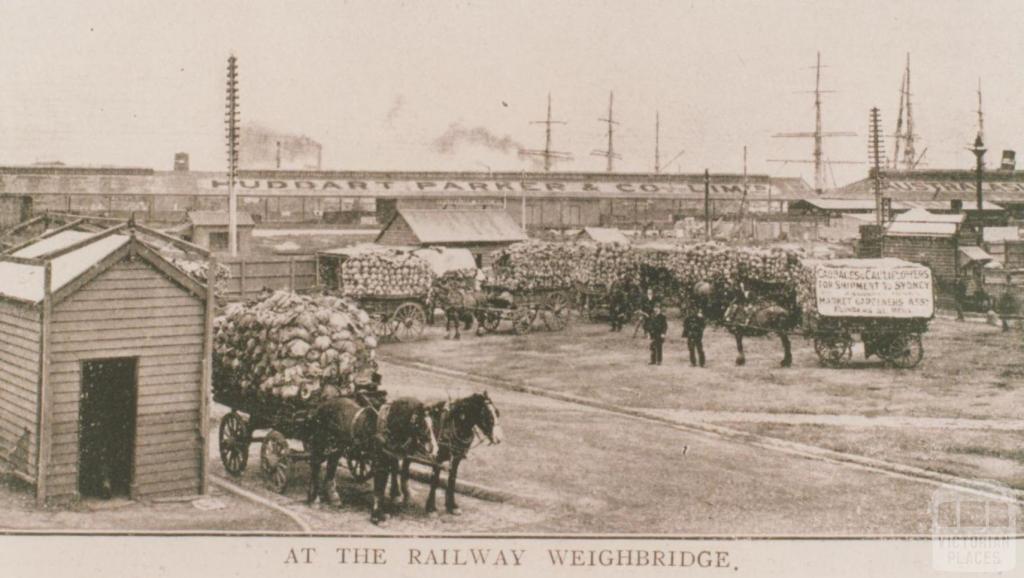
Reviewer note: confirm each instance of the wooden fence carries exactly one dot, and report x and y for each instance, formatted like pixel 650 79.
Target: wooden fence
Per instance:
pixel 249 275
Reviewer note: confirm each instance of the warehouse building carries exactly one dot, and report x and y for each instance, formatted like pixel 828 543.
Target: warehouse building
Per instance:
pixel 480 232
pixel 104 368
pixel 538 200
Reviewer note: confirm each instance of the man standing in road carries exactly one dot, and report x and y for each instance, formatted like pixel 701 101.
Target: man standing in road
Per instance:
pixel 656 326
pixel 693 331
pixel 1007 306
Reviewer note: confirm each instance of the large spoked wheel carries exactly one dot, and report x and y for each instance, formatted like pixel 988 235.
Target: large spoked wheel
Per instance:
pixel 408 320
pixel 275 459
pixel 833 348
pixel 234 443
pixel 359 467
pixel 522 320
pixel 382 326
pixel 490 320
pixel 556 317
pixel 903 350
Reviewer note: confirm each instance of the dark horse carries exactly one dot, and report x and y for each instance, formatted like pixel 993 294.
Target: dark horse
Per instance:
pixel 774 311
pixel 457 423
pixel 341 426
pixel 459 307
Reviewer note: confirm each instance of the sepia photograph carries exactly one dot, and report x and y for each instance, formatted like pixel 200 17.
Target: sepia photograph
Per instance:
pixel 401 288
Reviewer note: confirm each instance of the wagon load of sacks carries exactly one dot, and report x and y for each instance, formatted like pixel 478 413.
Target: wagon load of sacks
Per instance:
pixel 385 273
pixel 289 346
pixel 535 265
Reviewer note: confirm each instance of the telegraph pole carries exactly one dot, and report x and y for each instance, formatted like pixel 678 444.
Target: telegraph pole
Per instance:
pixel 707 205
pixel 876 153
pixel 547 154
pixel 231 120
pixel 909 154
pixel 979 153
pixel 610 153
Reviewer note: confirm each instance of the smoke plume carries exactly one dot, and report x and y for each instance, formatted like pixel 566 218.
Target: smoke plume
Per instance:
pixel 458 135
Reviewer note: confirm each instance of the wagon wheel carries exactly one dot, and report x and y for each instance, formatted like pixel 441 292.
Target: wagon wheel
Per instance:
pixel 234 443
pixel 522 320
pixel 382 326
pixel 490 320
pixel 275 459
pixel 556 317
pixel 903 350
pixel 359 467
pixel 833 348
pixel 408 321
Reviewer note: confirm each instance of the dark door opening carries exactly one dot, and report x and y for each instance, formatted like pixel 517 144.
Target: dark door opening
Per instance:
pixel 106 428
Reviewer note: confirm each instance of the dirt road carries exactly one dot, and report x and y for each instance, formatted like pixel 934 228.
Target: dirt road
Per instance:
pixel 594 472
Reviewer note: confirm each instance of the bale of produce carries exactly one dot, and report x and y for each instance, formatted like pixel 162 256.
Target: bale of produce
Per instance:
pixel 290 346
pixel 385 273
pixel 535 265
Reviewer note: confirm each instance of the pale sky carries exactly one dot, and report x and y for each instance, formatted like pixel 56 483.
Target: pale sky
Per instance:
pixel 132 82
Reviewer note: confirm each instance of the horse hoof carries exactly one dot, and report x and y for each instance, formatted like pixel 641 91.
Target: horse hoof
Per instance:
pixel 787 363
pixel 741 361
pixel 458 337
pixel 455 512
pixel 447 336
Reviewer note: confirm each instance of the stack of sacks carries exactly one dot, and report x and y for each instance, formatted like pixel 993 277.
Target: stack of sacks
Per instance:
pixel 289 346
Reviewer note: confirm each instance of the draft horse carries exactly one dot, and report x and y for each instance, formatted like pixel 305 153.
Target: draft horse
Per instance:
pixel 775 311
pixel 341 426
pixel 458 424
pixel 459 306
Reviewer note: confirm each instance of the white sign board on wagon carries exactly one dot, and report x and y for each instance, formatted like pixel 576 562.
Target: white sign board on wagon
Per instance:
pixel 885 288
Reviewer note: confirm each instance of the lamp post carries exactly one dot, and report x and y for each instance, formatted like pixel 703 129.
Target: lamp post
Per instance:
pixel 979 152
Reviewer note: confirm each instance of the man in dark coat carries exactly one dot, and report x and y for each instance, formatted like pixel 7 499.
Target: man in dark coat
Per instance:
pixel 617 308
pixel 1007 307
pixel 693 331
pixel 656 326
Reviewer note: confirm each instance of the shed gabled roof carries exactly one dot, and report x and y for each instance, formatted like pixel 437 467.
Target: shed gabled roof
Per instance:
pixel 24 281
pixel 605 235
pixel 436 226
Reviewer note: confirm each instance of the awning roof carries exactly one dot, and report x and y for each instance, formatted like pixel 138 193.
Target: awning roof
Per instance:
pixel 911 228
pixel 976 254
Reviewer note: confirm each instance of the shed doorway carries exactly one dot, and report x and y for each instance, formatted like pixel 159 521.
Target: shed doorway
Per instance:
pixel 106 428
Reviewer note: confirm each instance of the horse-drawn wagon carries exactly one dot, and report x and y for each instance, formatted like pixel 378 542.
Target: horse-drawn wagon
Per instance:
pixel 523 307
pixel 393 286
pixel 886 302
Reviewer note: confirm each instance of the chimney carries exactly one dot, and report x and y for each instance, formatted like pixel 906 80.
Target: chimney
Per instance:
pixel 181 162
pixel 956 205
pixel 1009 161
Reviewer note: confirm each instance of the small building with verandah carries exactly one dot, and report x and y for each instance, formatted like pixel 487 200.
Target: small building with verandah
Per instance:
pixel 482 232
pixel 104 368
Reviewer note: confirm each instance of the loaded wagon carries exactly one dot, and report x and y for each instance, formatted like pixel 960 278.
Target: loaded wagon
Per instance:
pixel 394 290
pixel 886 302
pixel 522 307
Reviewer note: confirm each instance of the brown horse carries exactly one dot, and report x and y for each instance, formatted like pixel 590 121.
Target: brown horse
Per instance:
pixel 742 315
pixel 459 306
pixel 457 423
pixel 387 435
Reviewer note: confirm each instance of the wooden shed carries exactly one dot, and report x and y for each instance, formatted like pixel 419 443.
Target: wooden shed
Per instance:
pixel 104 368
pixel 481 232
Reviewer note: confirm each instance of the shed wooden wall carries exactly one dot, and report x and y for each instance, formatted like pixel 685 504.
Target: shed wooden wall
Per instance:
pixel 19 385
pixel 132 310
pixel 939 252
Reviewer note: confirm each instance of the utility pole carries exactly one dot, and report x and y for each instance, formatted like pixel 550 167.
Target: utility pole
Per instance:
pixel 548 154
pixel 876 153
pixel 818 156
pixel 707 205
pixel 231 118
pixel 657 142
pixel 898 136
pixel 610 153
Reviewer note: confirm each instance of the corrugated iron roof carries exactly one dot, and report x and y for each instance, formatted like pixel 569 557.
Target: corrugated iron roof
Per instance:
pixel 924 216
pixel 461 226
pixel 25 282
pixel 605 235
pixel 218 218
pixel 911 228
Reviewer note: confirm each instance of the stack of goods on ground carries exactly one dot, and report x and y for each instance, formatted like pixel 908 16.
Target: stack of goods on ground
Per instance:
pixel 199 270
pixel 535 265
pixel 289 346
pixel 385 273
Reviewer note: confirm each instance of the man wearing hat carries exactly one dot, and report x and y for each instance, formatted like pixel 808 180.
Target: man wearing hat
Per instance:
pixel 656 326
